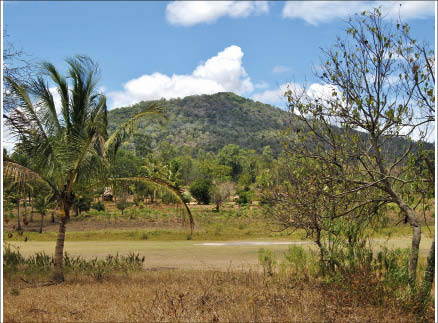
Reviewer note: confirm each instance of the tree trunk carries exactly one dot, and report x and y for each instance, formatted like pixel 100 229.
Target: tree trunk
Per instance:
pixel 53 216
pixel 18 216
pixel 58 271
pixel 31 209
pixel 409 214
pixel 25 211
pixel 42 222
pixel 416 238
pixel 428 277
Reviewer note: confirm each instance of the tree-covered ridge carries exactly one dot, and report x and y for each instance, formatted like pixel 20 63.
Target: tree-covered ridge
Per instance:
pixel 209 122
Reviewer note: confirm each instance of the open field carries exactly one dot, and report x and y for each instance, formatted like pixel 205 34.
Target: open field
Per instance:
pixel 197 296
pixel 187 254
pixel 167 223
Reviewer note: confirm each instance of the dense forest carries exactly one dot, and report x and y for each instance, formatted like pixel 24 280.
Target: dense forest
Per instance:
pixel 206 121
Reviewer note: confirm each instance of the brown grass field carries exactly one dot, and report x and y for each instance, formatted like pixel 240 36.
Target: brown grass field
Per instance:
pixel 197 296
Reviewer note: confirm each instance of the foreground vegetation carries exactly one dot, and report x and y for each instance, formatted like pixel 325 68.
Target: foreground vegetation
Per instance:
pixel 287 288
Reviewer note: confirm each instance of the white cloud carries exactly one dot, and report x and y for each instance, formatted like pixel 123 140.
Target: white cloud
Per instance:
pixel 275 97
pixel 314 91
pixel 281 69
pixel 322 91
pixel 316 12
pixel 221 73
pixel 189 13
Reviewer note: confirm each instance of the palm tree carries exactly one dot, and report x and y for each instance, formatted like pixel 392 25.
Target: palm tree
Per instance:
pixel 70 147
pixel 42 204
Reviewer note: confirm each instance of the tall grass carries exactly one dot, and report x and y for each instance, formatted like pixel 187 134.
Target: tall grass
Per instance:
pixel 41 264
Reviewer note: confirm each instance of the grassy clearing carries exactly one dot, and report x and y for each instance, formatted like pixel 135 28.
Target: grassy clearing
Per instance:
pixel 196 296
pixel 186 254
pixel 167 223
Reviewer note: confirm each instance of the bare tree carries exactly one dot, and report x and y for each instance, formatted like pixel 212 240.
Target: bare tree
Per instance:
pixel 367 114
pixel 18 66
pixel 301 194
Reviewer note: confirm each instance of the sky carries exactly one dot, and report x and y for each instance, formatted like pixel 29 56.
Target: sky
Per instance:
pixel 152 50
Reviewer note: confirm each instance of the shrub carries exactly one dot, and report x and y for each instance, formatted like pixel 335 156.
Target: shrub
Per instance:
pixel 122 205
pixel 99 206
pixel 302 262
pixel 267 260
pixel 245 197
pixel 200 190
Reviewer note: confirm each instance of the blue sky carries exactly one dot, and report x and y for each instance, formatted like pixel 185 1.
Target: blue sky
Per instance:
pixel 148 50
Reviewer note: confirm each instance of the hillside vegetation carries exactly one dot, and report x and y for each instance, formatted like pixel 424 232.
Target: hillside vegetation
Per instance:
pixel 207 121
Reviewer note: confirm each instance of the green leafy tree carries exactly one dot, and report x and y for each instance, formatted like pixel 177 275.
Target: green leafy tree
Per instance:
pixel 230 156
pixel 221 192
pixel 201 191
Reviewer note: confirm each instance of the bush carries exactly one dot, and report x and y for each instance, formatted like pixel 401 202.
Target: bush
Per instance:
pixel 99 206
pixel 267 260
pixel 303 263
pixel 245 197
pixel 122 205
pixel 200 190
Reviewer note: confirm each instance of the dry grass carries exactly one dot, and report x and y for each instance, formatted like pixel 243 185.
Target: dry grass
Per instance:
pixel 195 296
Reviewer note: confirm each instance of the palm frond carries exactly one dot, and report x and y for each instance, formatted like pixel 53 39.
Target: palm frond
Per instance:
pixel 50 117
pixel 21 174
pixel 176 191
pixel 62 88
pixel 126 129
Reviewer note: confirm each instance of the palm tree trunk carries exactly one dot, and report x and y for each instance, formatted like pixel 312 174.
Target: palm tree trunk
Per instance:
pixel 31 209
pixel 42 222
pixel 18 216
pixel 25 211
pixel 58 271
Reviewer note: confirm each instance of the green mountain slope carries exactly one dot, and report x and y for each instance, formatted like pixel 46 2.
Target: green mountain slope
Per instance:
pixel 208 122
pixel 212 121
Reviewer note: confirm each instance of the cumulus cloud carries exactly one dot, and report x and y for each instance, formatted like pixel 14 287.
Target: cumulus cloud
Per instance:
pixel 221 73
pixel 314 91
pixel 189 13
pixel 316 12
pixel 276 96
pixel 322 91
pixel 281 69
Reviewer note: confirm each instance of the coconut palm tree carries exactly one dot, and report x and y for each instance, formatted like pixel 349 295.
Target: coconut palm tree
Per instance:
pixel 42 204
pixel 69 145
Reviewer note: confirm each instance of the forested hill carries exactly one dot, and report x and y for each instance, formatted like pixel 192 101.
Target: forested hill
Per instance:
pixel 208 122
